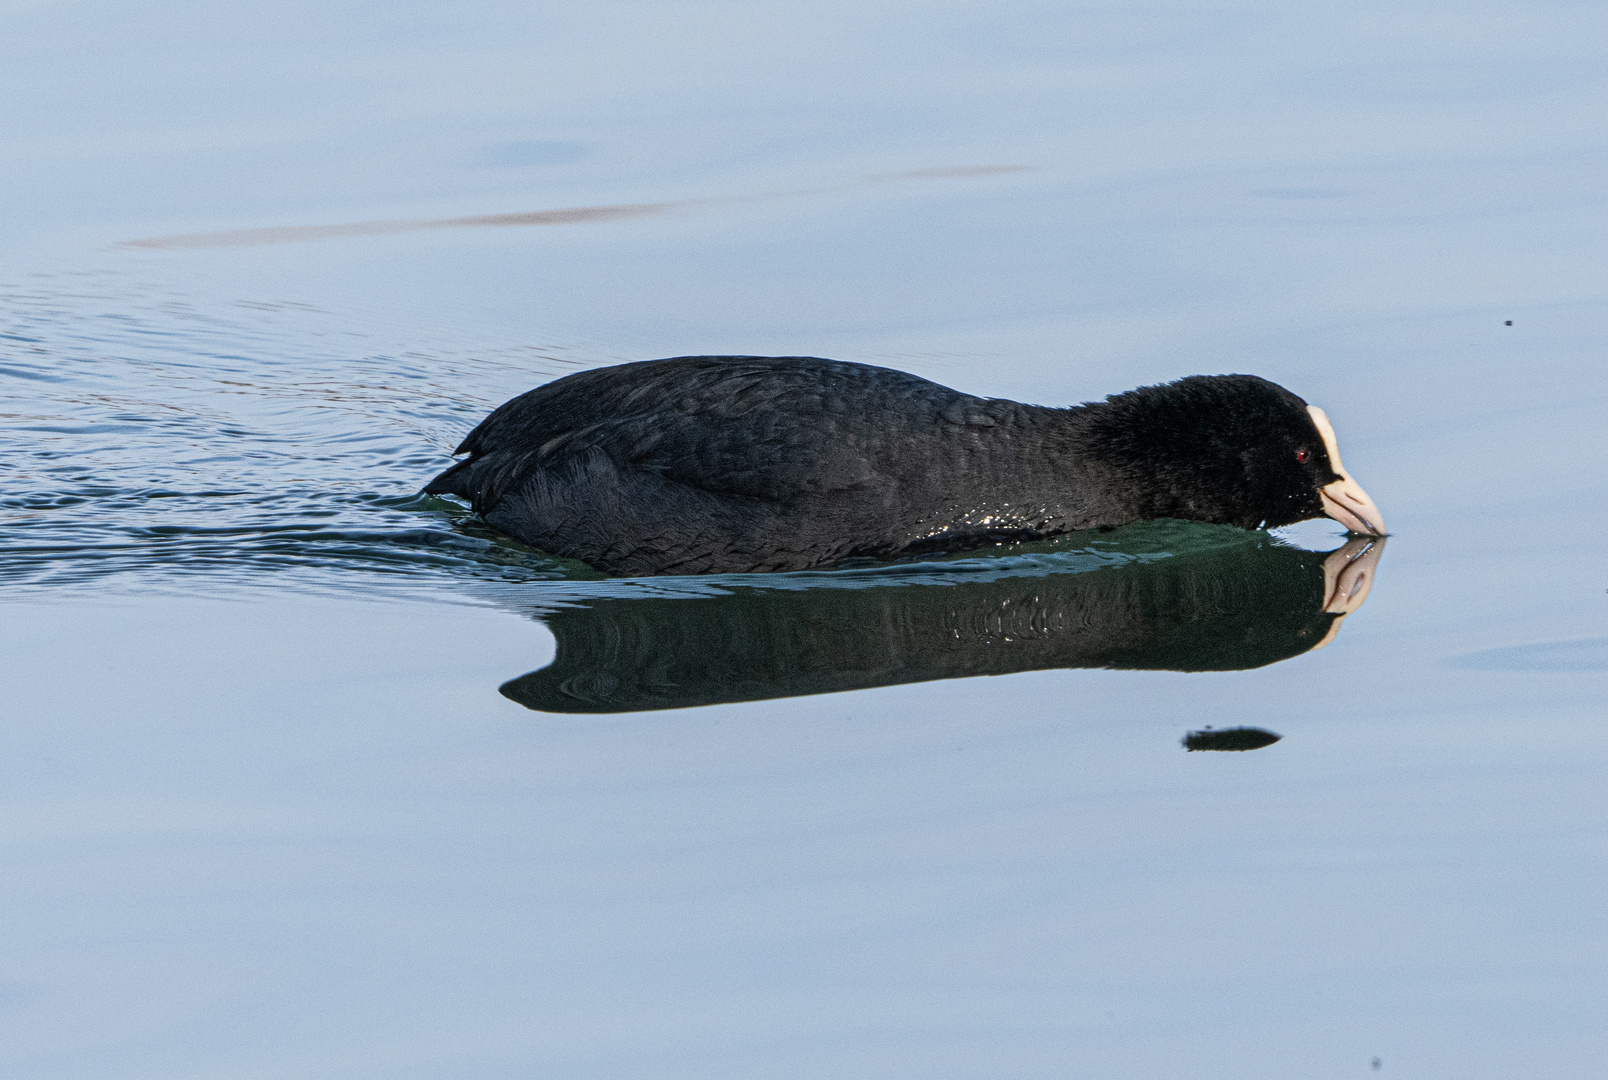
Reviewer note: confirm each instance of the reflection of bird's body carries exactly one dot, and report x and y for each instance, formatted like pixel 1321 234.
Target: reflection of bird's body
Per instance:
pixel 726 464
pixel 1217 600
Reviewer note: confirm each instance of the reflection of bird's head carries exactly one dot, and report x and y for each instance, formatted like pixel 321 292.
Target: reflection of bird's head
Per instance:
pixel 1229 449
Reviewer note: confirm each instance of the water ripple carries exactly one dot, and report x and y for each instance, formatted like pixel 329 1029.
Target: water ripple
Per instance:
pixel 153 446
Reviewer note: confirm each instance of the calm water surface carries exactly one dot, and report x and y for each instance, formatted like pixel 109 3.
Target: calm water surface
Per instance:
pixel 305 774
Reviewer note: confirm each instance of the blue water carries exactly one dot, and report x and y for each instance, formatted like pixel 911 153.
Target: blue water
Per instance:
pixel 264 811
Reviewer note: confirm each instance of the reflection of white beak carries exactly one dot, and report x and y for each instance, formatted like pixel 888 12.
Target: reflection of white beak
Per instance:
pixel 1343 499
pixel 1348 574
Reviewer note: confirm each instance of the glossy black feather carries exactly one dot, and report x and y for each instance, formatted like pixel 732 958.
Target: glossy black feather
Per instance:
pixel 725 464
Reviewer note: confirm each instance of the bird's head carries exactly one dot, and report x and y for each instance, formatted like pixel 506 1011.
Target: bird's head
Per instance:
pixel 1232 450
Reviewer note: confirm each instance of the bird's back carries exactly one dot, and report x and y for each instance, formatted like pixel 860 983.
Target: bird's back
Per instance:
pixel 701 463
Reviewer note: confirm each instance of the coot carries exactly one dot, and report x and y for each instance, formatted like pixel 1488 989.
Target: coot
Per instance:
pixel 725 464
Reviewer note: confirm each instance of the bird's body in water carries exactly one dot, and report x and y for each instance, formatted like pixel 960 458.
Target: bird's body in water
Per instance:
pixel 725 464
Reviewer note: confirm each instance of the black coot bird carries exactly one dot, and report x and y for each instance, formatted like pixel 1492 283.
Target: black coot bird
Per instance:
pixel 725 464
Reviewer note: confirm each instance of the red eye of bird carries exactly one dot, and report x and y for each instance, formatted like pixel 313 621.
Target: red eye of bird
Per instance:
pixel 1303 455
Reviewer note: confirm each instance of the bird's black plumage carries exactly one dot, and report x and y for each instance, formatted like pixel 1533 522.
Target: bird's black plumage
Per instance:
pixel 710 464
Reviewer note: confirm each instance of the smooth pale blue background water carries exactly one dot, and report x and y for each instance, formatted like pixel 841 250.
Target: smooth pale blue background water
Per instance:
pixel 262 811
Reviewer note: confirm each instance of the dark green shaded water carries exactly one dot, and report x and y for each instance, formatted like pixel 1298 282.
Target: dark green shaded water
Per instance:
pixel 1169 596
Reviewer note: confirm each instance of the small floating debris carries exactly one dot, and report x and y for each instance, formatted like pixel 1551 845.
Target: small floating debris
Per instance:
pixel 1234 738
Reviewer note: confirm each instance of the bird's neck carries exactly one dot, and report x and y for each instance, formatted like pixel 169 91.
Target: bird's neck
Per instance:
pixel 1104 480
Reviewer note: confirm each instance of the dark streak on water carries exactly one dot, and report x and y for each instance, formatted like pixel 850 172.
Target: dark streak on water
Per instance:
pixel 574 215
pixel 1230 739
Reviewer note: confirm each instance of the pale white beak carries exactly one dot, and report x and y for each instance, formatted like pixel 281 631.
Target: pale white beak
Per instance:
pixel 1343 499
pixel 1348 574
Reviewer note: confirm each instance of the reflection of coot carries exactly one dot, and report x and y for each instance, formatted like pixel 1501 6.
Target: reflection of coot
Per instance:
pixel 1243 602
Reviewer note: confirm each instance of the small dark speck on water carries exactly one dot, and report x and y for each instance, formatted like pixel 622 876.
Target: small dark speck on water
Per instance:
pixel 1239 738
pixel 1376 1062
pixel 1508 323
